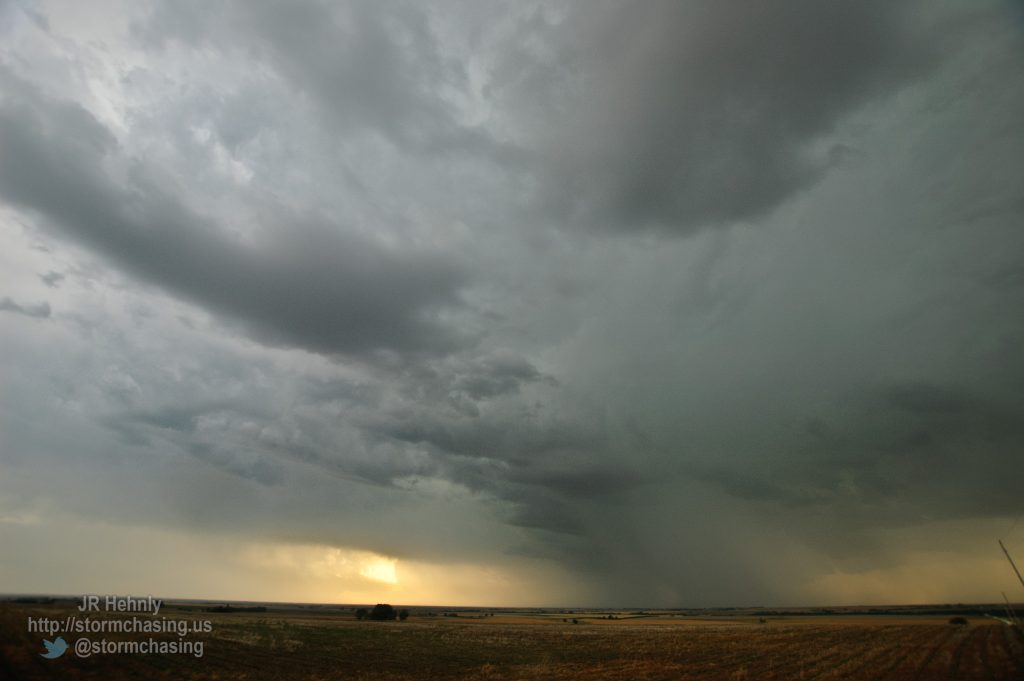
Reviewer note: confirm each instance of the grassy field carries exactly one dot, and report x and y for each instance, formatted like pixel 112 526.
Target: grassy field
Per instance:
pixel 296 644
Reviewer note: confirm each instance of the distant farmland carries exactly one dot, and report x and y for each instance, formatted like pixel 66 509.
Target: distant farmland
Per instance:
pixel 324 644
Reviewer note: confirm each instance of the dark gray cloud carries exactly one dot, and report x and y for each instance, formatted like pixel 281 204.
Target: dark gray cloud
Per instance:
pixel 329 284
pixel 543 462
pixel 304 280
pixel 37 310
pixel 676 115
pixel 667 116
pixel 939 447
pixel 495 375
pixel 51 278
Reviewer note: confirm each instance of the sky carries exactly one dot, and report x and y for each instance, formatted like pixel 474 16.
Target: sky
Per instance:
pixel 661 304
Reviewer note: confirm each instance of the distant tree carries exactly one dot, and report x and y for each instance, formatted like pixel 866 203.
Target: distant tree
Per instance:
pixel 959 621
pixel 361 613
pixel 382 612
pixel 403 614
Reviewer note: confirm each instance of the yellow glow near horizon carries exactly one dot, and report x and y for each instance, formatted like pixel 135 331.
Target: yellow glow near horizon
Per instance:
pixel 147 560
pixel 951 561
pixel 347 575
pixel 314 562
pixel 381 570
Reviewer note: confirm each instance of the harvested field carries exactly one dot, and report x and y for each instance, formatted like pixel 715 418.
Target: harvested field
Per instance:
pixel 286 645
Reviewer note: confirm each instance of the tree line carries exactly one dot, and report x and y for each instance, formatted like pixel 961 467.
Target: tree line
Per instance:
pixel 382 612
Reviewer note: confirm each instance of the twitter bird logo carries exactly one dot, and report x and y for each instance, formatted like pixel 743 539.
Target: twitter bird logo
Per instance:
pixel 55 648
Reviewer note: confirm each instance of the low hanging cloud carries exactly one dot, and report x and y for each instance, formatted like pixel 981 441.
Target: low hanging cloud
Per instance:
pixel 303 281
pixel 673 116
pixel 37 310
pixel 51 279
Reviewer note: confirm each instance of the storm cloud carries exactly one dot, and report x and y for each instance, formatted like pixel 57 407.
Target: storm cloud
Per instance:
pixel 39 310
pixel 301 279
pixel 675 116
pixel 575 303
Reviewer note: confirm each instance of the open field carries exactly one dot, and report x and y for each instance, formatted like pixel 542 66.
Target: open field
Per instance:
pixel 325 644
